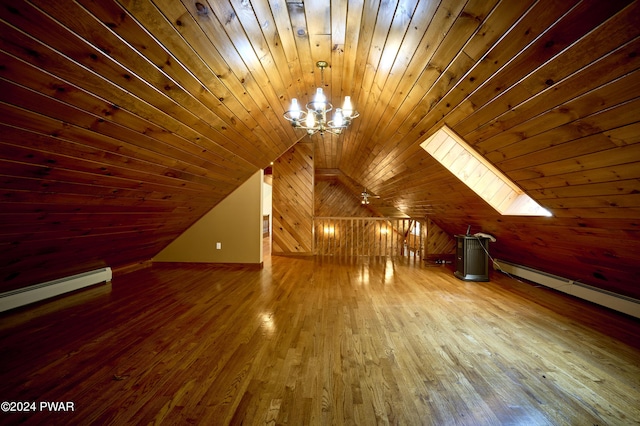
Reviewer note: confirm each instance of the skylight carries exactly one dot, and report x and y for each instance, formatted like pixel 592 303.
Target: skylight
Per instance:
pixel 480 175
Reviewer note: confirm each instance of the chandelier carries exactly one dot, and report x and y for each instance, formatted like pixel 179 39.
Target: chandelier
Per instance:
pixel 314 119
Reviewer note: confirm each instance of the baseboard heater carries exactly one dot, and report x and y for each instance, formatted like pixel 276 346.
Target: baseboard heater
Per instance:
pixel 618 302
pixel 35 293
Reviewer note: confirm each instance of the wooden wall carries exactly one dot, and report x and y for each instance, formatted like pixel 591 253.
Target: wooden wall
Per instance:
pixel 334 199
pixel 293 177
pixel 439 244
pixel 123 122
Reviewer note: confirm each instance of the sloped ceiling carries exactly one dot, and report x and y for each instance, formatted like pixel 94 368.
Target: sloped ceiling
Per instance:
pixel 122 122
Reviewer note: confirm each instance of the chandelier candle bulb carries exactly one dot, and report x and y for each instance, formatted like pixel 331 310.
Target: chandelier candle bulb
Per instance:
pixel 347 108
pixel 338 120
pixel 310 122
pixel 295 109
pixel 320 101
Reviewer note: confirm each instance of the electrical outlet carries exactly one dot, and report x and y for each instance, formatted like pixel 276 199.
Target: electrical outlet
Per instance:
pixel 218 246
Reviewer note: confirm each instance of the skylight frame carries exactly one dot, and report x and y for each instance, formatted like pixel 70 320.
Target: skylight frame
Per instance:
pixel 475 171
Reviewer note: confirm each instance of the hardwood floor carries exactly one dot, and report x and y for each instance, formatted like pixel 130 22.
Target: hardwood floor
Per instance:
pixel 321 341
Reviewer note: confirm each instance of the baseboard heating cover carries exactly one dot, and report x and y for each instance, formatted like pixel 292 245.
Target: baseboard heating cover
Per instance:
pixel 35 293
pixel 618 302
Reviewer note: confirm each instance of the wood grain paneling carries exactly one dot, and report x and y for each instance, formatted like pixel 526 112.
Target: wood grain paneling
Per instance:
pixel 122 121
pixel 439 245
pixel 293 201
pixel 334 199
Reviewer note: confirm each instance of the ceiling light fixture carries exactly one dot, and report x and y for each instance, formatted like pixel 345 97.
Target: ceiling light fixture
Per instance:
pixel 366 196
pixel 314 119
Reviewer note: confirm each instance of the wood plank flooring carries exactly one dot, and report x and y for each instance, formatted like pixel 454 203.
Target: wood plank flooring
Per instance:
pixel 320 341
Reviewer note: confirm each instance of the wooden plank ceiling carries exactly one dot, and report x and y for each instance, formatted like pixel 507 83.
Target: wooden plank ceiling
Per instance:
pixel 123 121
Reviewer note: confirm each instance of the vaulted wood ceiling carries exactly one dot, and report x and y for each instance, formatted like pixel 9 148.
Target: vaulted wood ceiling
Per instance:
pixel 122 122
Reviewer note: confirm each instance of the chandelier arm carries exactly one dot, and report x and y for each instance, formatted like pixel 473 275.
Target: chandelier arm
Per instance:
pixel 310 108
